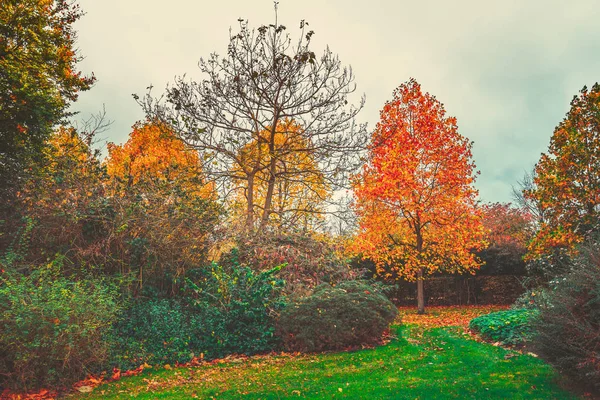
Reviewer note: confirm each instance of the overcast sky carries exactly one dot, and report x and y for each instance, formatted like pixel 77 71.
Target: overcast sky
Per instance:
pixel 506 69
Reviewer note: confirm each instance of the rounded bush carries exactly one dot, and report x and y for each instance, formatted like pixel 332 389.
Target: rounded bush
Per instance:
pixel 512 327
pixel 336 318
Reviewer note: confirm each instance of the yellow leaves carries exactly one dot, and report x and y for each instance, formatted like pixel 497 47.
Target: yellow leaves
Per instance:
pixel 68 178
pixel 299 187
pixel 439 316
pixel 567 184
pixel 153 156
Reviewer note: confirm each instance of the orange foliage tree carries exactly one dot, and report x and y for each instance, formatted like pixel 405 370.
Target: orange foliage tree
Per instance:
pixel 415 198
pixel 154 159
pixel 507 225
pixel 567 179
pixel 165 208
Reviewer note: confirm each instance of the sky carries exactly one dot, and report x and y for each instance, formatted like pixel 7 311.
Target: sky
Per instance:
pixel 507 70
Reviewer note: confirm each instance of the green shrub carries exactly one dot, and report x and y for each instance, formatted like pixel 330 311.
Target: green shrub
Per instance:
pixel 334 318
pixel 153 331
pixel 53 329
pixel 311 259
pixel 532 298
pixel 236 308
pixel 568 328
pixel 512 327
pixel 222 311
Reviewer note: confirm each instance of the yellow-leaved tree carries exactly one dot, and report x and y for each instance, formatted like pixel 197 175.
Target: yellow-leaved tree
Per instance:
pixel 295 199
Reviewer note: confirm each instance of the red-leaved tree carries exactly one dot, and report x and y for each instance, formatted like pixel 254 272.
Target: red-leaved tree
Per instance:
pixel 415 198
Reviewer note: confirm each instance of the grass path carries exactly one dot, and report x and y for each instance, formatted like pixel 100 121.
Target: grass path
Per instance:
pixel 419 363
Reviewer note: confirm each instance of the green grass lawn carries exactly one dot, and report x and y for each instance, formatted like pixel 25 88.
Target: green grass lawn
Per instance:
pixel 439 363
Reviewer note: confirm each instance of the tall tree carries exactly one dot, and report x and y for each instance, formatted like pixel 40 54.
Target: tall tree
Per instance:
pixel 507 225
pixel 567 178
pixel 66 199
pixel 145 211
pixel 244 99
pixel 38 80
pixel 155 160
pixel 415 198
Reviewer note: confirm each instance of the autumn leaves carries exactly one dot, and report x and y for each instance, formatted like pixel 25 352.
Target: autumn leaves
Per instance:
pixel 414 198
pixel 567 179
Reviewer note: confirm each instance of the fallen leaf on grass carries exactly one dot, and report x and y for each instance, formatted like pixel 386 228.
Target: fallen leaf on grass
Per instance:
pixel 439 316
pixel 85 389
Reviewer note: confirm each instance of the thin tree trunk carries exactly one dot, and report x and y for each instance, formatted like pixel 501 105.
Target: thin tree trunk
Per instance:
pixel 421 272
pixel 250 204
pixel 269 196
pixel 420 293
pixel 272 171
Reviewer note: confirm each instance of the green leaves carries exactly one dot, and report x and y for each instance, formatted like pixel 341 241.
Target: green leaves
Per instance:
pixel 38 79
pixel 512 327
pixel 53 328
pixel 333 318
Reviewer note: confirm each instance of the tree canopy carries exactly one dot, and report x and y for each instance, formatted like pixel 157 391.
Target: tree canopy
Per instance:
pixel 415 197
pixel 38 80
pixel 567 178
pixel 300 189
pixel 248 98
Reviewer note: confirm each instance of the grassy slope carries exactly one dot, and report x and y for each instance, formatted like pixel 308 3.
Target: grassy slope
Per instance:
pixel 437 363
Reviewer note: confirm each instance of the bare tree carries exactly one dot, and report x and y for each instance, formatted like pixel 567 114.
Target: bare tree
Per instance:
pixel 524 186
pixel 245 99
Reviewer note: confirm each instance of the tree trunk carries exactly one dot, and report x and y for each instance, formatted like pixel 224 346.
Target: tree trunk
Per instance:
pixel 250 205
pixel 420 294
pixel 269 196
pixel 271 183
pixel 421 272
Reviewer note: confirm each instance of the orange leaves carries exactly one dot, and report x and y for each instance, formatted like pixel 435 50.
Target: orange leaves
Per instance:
pixel 507 225
pixel 153 155
pixel 414 197
pixel 440 316
pixel 70 173
pixel 158 190
pixel 567 179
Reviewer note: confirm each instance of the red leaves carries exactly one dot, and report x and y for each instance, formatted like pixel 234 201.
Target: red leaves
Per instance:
pixel 85 386
pixel 116 374
pixel 415 199
pixel 43 394
pixel 507 225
